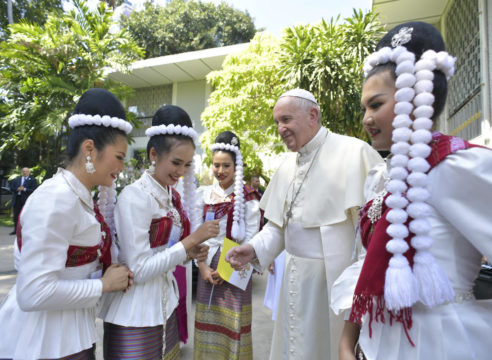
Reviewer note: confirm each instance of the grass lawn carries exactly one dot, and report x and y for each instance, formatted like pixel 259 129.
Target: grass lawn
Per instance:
pixel 6 219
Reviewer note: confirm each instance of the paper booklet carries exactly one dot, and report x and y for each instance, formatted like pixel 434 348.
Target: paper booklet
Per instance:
pixel 240 278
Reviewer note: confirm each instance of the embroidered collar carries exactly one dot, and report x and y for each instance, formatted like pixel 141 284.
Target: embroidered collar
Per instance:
pixel 314 143
pixel 220 193
pixel 78 188
pixel 163 195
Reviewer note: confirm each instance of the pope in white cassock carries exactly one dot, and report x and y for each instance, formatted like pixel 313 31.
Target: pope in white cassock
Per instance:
pixel 312 205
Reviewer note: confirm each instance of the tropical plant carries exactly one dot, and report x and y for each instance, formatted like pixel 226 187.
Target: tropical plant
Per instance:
pixel 44 69
pixel 33 11
pixel 245 92
pixel 324 58
pixel 327 60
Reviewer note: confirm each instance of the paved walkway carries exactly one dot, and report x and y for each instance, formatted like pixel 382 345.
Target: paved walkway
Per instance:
pixel 262 324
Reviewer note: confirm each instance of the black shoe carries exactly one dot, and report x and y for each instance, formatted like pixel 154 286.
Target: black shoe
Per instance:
pixel 12 233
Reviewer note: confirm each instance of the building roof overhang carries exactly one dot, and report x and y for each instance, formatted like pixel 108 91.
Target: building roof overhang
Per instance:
pixel 394 12
pixel 189 66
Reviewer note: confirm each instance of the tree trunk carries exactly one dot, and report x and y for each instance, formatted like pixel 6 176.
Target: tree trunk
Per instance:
pixel 9 12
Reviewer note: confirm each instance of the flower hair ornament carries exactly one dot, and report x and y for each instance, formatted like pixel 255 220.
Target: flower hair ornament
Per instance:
pixel 189 186
pixel 98 120
pixel 426 282
pixel 238 230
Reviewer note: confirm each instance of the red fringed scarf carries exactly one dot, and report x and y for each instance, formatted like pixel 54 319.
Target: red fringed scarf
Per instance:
pixel 159 232
pixel 81 255
pixel 227 208
pixel 369 291
pixel 160 229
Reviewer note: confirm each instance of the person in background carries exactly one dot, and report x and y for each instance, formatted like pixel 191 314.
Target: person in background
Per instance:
pixel 255 183
pixel 312 205
pixel 63 242
pixel 155 234
pixel 21 187
pixel 427 222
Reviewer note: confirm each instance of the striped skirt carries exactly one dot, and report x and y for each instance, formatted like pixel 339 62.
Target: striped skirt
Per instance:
pixel 141 343
pixel 223 329
pixel 172 338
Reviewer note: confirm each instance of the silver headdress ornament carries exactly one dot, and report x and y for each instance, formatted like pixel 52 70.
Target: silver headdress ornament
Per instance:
pixel 98 120
pixel 300 93
pixel 238 230
pixel 403 36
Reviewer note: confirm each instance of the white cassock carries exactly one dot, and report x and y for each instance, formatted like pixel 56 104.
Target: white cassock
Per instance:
pixel 322 186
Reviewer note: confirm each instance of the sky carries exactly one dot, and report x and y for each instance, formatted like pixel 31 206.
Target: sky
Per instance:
pixel 274 15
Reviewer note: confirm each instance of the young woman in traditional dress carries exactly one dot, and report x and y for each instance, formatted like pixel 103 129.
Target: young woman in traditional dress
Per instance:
pixel 223 311
pixel 62 238
pixel 427 223
pixel 154 236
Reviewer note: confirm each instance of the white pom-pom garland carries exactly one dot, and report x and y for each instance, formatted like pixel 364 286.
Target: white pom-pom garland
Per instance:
pixel 401 134
pixel 171 129
pixel 424 99
pixel 397 216
pixel 84 119
pixel 189 198
pixel 400 148
pixel 418 210
pixel 417 194
pixel 399 160
pixel 420 149
pixel 418 179
pixel 422 123
pixel 404 94
pixel 402 120
pixel 418 164
pixel 396 201
pixel 106 201
pixel 399 246
pixel 396 186
pixel 414 84
pixel 238 230
pixel 423 111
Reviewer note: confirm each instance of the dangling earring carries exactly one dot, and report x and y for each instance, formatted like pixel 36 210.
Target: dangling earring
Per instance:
pixel 89 166
pixel 151 169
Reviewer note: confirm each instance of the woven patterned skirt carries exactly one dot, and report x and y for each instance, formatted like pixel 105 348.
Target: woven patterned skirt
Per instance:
pixel 223 329
pixel 137 343
pixel 172 338
pixel 141 343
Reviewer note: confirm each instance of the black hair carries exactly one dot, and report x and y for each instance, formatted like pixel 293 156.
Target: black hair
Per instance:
pixel 95 102
pixel 167 115
pixel 226 137
pixel 423 37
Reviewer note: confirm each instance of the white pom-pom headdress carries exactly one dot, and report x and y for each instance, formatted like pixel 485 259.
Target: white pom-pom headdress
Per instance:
pixel 171 129
pixel 426 282
pixel 98 120
pixel 238 230
pixel 189 186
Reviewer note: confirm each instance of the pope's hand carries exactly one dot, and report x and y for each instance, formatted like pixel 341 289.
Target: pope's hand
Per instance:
pixel 240 255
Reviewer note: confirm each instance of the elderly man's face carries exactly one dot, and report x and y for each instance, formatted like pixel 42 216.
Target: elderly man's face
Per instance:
pixel 295 124
pixel 25 172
